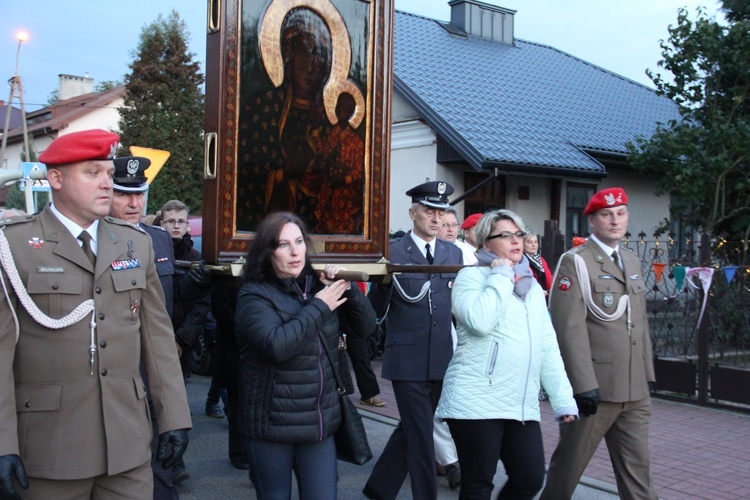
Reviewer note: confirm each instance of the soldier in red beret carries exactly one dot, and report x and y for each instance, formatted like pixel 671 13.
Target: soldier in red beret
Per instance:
pixel 469 227
pixel 598 308
pixel 85 307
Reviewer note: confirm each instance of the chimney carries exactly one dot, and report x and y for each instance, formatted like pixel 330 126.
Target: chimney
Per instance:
pixel 483 20
pixel 73 86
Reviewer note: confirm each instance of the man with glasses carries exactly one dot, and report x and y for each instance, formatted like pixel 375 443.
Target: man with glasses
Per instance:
pixel 449 233
pixel 189 312
pixel 418 345
pixel 598 308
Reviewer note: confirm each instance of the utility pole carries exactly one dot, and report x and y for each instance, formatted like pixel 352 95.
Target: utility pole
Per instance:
pixel 16 90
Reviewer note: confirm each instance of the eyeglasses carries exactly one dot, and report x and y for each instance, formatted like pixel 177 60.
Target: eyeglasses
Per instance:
pixel 447 224
pixel 175 222
pixel 506 235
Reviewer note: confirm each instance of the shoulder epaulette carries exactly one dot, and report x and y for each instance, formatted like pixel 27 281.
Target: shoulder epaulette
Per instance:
pixel 123 223
pixel 575 250
pixel 20 219
pixel 626 249
pixel 158 228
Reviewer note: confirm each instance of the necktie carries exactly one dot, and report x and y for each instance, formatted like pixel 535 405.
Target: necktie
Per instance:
pixel 616 259
pixel 85 237
pixel 428 254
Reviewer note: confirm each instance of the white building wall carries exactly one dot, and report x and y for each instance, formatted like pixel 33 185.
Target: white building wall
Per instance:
pixel 413 153
pixel 536 209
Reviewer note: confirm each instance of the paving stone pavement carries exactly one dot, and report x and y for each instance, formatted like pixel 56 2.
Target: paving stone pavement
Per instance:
pixel 696 452
pixel 212 477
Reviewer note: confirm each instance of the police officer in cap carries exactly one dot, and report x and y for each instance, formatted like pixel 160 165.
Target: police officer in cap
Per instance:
pixel 418 345
pixel 84 306
pixel 128 203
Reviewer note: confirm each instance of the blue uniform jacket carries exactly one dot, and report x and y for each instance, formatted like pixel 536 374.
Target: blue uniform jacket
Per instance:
pixel 418 343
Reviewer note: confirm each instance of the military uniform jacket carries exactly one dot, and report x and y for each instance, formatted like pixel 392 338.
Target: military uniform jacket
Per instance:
pixel 418 344
pixel 603 354
pixel 64 422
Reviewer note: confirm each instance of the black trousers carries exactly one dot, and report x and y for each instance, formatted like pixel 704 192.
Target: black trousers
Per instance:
pixel 410 448
pixel 481 442
pixel 367 382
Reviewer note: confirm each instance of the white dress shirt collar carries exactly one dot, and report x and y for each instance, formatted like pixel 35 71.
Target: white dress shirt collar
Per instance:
pixel 421 244
pixel 75 229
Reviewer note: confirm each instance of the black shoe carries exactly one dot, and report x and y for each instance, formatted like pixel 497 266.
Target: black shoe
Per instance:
pixel 213 410
pixel 240 463
pixel 370 493
pixel 179 473
pixel 453 475
pixel 439 469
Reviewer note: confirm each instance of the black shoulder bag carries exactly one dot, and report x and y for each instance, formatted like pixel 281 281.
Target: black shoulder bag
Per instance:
pixel 351 439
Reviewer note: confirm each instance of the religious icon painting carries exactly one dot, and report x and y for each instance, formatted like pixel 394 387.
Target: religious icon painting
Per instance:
pixel 301 122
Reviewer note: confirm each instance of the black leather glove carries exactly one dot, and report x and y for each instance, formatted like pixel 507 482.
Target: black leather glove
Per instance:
pixel 179 440
pixel 11 467
pixel 651 386
pixel 200 275
pixel 588 402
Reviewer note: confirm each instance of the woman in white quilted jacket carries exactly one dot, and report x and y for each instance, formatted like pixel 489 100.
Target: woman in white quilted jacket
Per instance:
pixel 506 347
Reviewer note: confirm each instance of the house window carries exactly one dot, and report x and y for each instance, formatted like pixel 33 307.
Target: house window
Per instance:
pixel 577 197
pixel 491 196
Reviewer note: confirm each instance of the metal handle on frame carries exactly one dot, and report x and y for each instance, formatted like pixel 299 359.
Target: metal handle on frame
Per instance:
pixel 214 16
pixel 209 155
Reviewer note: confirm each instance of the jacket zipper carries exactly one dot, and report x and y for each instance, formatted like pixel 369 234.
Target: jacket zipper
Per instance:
pixel 528 367
pixel 320 391
pixel 493 361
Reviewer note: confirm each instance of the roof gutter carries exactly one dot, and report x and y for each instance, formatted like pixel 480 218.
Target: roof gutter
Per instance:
pixel 529 169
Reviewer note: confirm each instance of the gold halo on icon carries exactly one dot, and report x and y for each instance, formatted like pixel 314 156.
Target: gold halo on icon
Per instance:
pixel 338 83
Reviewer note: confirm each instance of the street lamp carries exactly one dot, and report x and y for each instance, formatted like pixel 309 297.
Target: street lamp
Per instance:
pixel 16 90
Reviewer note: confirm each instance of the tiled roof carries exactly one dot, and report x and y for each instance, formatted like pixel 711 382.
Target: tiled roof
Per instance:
pixel 527 105
pixel 15 116
pixel 61 114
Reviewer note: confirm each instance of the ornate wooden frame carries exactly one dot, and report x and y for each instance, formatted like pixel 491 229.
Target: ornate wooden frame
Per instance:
pixel 227 21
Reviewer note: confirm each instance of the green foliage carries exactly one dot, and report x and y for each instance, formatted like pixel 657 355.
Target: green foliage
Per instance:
pixel 53 97
pixel 17 198
pixel 704 157
pixel 164 109
pixel 106 85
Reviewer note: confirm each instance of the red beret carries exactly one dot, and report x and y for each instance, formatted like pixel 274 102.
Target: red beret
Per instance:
pixel 86 145
pixel 606 198
pixel 471 221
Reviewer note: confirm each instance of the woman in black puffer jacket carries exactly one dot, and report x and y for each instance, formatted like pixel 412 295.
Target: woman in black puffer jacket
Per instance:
pixel 289 406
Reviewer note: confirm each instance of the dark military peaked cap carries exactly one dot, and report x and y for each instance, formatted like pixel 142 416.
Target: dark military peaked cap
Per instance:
pixel 431 194
pixel 129 174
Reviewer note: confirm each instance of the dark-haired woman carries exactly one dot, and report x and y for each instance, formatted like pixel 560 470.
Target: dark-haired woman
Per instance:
pixel 289 406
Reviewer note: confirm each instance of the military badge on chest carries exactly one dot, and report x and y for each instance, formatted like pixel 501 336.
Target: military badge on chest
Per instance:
pixel 36 242
pixel 608 300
